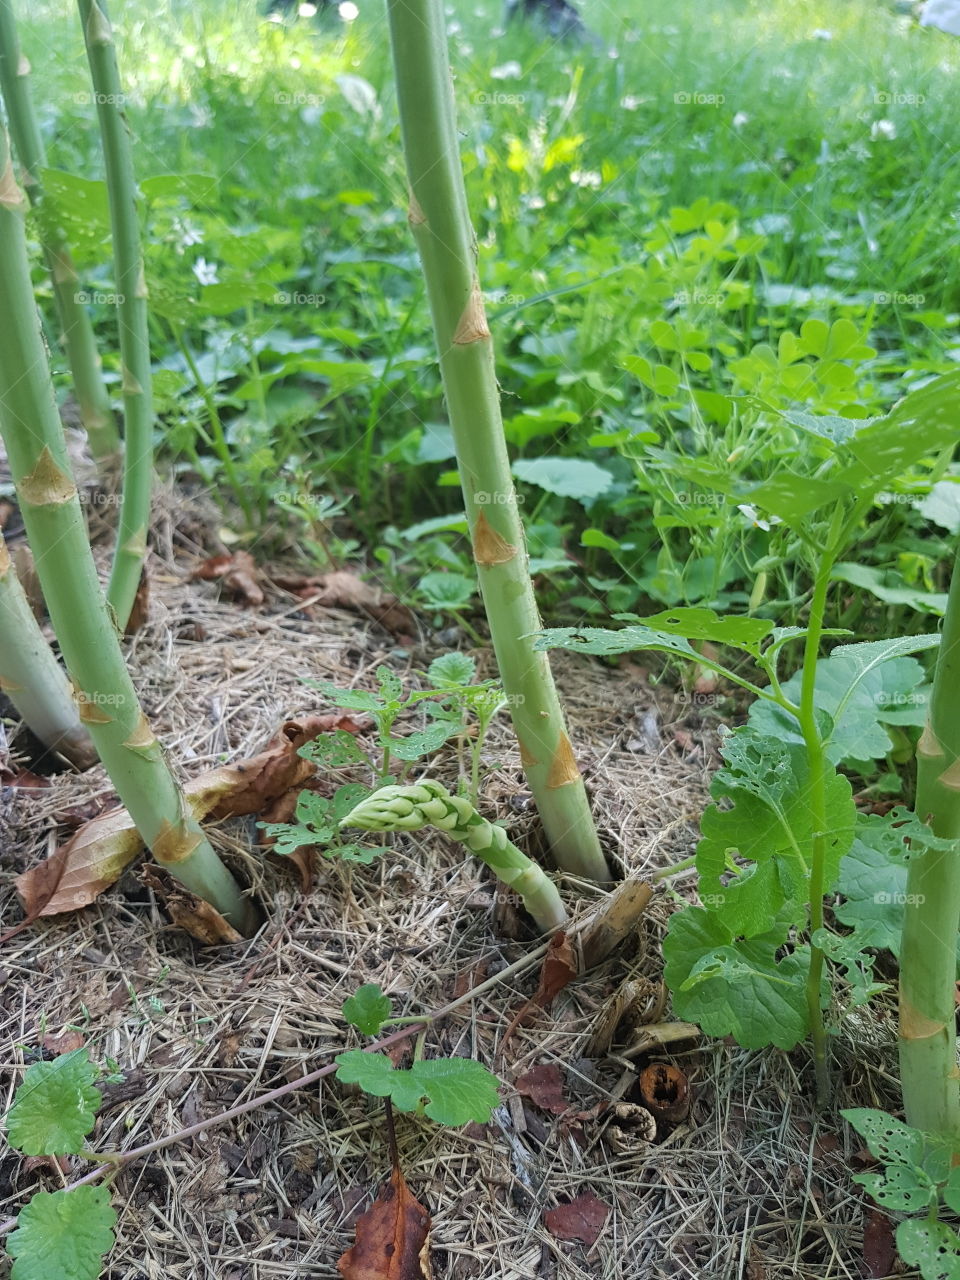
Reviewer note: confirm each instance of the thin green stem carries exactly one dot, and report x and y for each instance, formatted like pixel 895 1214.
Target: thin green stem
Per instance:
pixel 132 318
pixel 81 347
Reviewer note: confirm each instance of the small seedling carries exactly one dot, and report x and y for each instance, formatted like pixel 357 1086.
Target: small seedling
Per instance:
pixel 59 1233
pixel 451 1091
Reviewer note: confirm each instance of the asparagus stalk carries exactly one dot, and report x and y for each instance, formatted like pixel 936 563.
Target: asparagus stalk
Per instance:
pixel 428 803
pixel 107 703
pixel 32 678
pixel 131 309
pixel 81 346
pixel 928 955
pixel 441 225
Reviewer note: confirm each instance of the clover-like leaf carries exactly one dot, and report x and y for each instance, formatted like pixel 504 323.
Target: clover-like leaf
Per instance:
pixel 367 1009
pixel 63 1234
pixel 55 1106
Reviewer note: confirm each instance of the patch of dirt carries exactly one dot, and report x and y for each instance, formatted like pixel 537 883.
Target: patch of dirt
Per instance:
pixel 750 1185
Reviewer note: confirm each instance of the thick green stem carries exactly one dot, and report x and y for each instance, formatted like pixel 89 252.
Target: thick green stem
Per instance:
pixel 132 315
pixel 441 224
pixel 31 677
pixel 429 804
pixel 818 810
pixel 108 706
pixel 928 954
pixel 82 355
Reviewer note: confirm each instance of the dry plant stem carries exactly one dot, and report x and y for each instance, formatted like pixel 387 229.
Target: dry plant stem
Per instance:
pixel 132 318
pixel 31 677
pixel 108 705
pixel 441 225
pixel 928 956
pixel 81 346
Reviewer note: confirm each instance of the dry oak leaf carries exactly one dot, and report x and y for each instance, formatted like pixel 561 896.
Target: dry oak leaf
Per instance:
pixel 543 1085
pixel 582 1219
pixel 238 571
pixel 393 1238
pixel 97 854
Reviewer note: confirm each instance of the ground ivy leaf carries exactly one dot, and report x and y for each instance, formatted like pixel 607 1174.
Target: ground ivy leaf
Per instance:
pixel 63 1234
pixel 55 1106
pixel 930 1246
pixel 769 825
pixel 367 1009
pixel 735 987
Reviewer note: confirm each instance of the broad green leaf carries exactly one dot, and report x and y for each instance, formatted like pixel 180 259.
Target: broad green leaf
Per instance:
pixel 63 1234
pixel 600 640
pixel 951 1191
pixel 770 825
pixel 423 741
pixel 447 590
pixel 346 798
pixel 697 623
pixel 347 699
pixel 892 1142
pixel 55 1106
pixel 933 1247
pixel 197 188
pixel 889 587
pixel 733 987
pixel 367 1009
pixel 336 750
pixel 924 422
pixel 899 1187
pixel 858 686
pixel 457 1089
pixel 828 426
pixel 793 497
pixel 453 670
pixel 567 477
pixel 942 505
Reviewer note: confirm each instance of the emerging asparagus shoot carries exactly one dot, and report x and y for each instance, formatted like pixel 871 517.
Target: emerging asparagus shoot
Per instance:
pixel 428 803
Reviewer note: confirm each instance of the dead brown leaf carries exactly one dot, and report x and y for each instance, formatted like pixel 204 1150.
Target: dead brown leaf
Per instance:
pixel 342 590
pixel 141 606
pixel 238 572
pixel 191 913
pixel 393 1238
pixel 582 1219
pixel 97 854
pixel 65 1043
pixel 543 1085
pixel 559 968
pixel 879 1245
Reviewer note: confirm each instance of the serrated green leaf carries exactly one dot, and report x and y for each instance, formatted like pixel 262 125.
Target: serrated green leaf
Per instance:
pixel 336 750
pixel 367 1009
pixel 739 988
pixel 600 640
pixel 447 590
pixel 63 1234
pixel 423 741
pixel 347 699
pixel 931 1246
pixel 857 686
pixel 452 670
pixel 770 825
pixel 696 623
pixel 458 1089
pixel 847 951
pixel 55 1106
pixel 287 837
pixel 364 854
pixel 391 686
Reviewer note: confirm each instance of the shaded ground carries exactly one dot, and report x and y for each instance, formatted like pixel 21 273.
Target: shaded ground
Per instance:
pixel 751 1185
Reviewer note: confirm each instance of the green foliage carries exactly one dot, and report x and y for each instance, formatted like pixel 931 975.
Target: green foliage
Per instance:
pixel 317 826
pixel 918 1174
pixel 458 1089
pixel 367 1009
pixel 63 1234
pixel 55 1106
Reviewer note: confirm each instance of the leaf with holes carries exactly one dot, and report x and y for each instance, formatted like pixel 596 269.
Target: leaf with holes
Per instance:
pixel 931 1246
